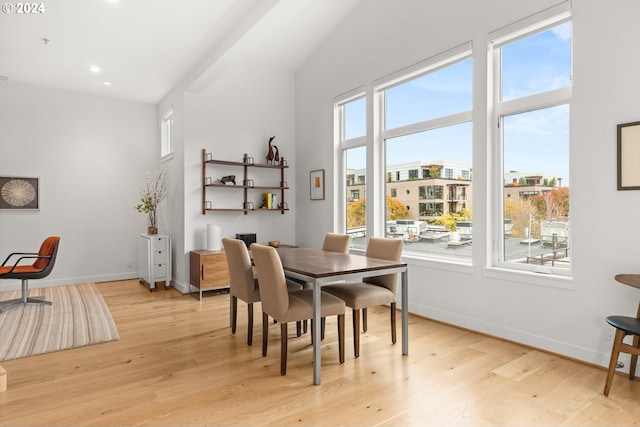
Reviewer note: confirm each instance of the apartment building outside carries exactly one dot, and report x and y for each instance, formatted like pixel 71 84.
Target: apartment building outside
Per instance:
pixel 430 190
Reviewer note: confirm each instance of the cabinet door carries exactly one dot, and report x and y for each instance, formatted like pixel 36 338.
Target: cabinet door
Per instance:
pixel 214 270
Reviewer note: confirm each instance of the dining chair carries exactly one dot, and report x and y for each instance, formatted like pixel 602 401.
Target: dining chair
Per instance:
pixel 335 242
pixel 243 285
pixel 43 262
pixel 624 325
pixel 371 291
pixel 287 307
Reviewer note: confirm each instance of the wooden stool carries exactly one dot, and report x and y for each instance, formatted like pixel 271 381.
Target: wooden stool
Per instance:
pixel 624 326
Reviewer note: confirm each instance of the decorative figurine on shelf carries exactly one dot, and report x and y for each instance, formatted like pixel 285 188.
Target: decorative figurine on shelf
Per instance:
pixel 228 178
pixel 270 154
pixel 276 156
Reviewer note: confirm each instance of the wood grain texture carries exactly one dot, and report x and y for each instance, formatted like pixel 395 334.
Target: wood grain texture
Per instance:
pixel 177 363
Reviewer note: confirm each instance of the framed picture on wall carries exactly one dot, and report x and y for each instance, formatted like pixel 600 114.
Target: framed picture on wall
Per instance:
pixel 317 185
pixel 629 156
pixel 19 193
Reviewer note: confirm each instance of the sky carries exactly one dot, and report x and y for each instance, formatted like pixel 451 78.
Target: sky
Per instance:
pixel 536 141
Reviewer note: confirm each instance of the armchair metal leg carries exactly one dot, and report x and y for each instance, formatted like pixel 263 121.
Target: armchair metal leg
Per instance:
pixel 24 299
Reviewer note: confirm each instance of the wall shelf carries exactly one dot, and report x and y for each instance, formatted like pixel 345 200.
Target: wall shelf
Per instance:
pixel 245 164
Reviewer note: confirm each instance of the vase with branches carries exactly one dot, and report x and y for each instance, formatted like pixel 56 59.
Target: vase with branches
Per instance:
pixel 154 192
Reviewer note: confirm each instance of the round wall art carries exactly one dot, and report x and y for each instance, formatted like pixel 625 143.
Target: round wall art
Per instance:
pixel 19 193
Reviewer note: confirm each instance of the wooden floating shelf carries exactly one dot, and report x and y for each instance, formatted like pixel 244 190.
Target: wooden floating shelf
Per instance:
pixel 246 163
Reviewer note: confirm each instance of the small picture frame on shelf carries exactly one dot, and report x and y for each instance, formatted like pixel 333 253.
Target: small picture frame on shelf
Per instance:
pixel 316 182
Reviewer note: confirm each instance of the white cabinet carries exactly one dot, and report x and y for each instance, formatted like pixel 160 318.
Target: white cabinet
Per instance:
pixel 154 259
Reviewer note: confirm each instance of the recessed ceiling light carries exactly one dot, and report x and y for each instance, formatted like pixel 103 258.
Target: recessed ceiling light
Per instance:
pixel 94 69
pixel 106 83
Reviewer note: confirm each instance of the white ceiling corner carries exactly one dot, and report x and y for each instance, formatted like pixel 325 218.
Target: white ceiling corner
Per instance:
pixel 148 47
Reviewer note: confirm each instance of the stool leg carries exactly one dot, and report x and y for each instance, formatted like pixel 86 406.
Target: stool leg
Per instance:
pixel 615 352
pixel 634 358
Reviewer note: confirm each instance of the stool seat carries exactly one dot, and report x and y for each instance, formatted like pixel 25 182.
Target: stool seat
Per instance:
pixel 630 325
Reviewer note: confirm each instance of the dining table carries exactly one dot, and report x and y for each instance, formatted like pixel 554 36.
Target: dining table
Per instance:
pixel 318 267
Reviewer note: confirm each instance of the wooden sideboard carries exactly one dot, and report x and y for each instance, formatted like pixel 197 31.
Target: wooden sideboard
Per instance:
pixel 208 270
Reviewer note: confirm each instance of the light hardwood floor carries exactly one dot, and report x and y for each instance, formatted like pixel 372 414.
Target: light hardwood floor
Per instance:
pixel 177 364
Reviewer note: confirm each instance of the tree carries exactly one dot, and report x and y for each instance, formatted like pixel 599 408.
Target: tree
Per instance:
pixel 449 220
pixel 552 204
pixel 396 210
pixel 357 212
pixel 521 213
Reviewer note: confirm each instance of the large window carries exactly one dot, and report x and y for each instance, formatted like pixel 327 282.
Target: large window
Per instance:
pixel 166 124
pixel 427 137
pixel 532 94
pixel 351 130
pixel 412 160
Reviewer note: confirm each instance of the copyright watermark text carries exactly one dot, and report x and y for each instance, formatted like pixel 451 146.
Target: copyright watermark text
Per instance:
pixel 23 8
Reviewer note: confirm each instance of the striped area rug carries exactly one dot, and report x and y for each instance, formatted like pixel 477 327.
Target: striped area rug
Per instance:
pixel 78 317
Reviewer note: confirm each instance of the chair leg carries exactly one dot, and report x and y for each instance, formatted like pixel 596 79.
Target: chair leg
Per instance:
pixel 304 326
pixel 356 333
pixel 283 348
pixel 615 352
pixel 364 319
pixel 323 322
pixel 634 358
pixel 234 314
pixel 24 298
pixel 250 322
pixel 298 328
pixel 341 338
pixel 265 333
pixel 393 322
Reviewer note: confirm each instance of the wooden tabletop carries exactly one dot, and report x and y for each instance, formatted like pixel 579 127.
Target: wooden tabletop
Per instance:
pixel 317 263
pixel 629 279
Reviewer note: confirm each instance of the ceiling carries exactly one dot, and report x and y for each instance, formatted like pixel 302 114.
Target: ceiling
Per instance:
pixel 145 48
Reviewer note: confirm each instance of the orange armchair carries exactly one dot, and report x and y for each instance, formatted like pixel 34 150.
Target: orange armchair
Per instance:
pixel 41 267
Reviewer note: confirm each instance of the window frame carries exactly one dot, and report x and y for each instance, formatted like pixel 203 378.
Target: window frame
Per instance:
pixel 166 141
pixel 440 61
pixel 341 146
pixel 499 109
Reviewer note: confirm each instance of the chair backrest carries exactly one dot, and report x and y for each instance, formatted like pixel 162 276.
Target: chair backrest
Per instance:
pixel 48 249
pixel 334 242
pixel 389 249
pixel 242 284
pixel 271 280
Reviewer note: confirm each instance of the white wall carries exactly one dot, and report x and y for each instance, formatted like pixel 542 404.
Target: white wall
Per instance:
pixel 237 114
pixel 91 154
pixel 383 36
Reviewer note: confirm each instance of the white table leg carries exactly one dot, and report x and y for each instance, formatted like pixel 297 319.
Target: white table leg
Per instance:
pixel 405 312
